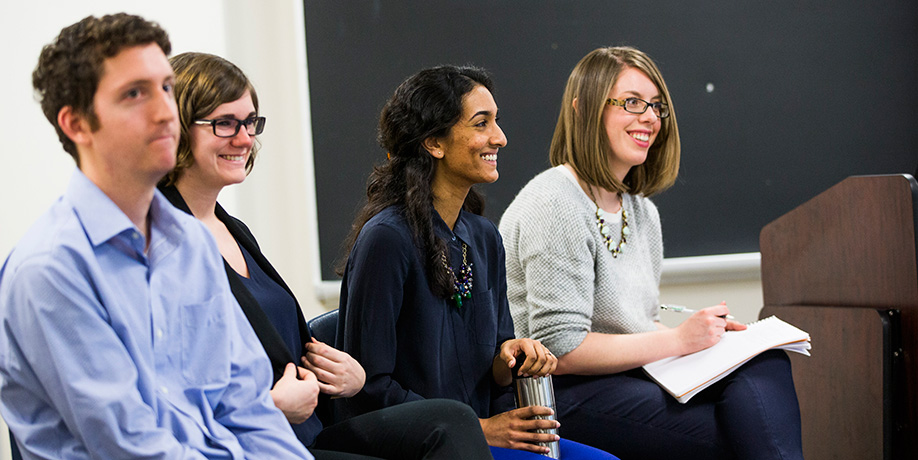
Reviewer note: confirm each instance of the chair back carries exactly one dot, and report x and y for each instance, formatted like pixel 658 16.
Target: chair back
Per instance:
pixel 325 327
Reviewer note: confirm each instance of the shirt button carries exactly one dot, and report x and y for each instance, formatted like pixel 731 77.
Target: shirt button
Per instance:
pixel 135 235
pixel 159 333
pixel 454 238
pixel 164 390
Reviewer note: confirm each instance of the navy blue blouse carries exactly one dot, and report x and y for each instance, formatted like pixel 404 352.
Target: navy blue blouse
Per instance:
pixel 281 308
pixel 276 302
pixel 413 344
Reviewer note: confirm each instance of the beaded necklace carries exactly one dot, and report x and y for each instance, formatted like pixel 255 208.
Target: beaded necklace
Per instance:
pixel 462 283
pixel 615 249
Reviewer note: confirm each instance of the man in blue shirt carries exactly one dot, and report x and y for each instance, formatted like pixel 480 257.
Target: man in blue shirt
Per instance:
pixel 120 337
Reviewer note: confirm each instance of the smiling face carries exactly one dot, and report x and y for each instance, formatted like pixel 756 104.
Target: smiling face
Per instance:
pixel 630 134
pixel 137 128
pixel 468 154
pixel 220 161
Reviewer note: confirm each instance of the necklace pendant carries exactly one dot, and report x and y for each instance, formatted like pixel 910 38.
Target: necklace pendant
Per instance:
pixel 458 299
pixel 462 281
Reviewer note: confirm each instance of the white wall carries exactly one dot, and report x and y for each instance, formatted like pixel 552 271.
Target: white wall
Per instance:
pixel 694 282
pixel 36 168
pixel 267 40
pixel 278 201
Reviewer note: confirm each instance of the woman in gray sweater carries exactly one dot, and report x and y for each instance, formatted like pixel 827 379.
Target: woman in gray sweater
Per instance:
pixel 583 254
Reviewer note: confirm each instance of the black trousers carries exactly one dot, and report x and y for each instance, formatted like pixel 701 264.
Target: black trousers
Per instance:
pixel 429 429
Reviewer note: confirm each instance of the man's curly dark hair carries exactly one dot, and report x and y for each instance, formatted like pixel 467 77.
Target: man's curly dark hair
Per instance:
pixel 69 68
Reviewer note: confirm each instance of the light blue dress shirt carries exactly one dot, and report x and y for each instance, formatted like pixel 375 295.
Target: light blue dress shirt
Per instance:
pixel 108 352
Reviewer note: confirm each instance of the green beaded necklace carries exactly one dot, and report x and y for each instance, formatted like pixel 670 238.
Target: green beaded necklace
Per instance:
pixel 462 283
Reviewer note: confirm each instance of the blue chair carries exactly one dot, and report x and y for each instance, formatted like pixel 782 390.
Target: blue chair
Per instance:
pixel 325 327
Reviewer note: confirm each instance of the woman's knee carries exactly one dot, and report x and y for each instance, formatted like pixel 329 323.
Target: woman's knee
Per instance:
pixel 771 365
pixel 448 414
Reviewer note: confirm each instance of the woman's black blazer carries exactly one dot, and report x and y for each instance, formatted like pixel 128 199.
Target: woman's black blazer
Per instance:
pixel 270 339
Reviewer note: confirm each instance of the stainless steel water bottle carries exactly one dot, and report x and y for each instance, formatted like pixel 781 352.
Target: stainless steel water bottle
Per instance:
pixel 537 391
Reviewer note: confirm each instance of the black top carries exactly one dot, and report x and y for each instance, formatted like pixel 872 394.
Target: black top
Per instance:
pixel 413 344
pixel 275 345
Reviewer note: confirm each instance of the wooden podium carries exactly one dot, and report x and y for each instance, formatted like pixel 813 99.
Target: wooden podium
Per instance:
pixel 843 267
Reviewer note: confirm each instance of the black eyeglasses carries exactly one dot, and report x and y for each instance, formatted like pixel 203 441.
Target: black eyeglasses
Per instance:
pixel 639 106
pixel 229 127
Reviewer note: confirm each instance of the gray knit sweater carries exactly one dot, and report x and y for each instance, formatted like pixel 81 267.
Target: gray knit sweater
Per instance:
pixel 562 281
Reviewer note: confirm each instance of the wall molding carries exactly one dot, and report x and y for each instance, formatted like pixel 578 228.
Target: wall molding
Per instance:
pixel 676 270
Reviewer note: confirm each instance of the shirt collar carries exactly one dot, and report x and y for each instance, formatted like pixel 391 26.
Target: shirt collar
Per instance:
pixel 460 230
pixel 102 219
pixel 166 218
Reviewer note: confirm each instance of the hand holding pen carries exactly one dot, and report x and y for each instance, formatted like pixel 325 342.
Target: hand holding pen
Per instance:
pixel 705 327
pixel 682 309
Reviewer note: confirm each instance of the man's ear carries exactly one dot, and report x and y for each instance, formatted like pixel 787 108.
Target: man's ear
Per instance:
pixel 74 125
pixel 433 147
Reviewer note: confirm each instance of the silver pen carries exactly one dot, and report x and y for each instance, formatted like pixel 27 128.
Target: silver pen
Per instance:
pixel 681 309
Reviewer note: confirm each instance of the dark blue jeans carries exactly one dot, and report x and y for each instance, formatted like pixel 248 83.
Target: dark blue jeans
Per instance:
pixel 751 414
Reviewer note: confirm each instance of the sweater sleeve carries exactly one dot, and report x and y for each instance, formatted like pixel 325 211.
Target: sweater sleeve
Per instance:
pixel 504 320
pixel 552 270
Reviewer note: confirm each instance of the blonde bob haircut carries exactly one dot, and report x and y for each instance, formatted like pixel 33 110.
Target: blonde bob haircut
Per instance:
pixel 204 82
pixel 580 137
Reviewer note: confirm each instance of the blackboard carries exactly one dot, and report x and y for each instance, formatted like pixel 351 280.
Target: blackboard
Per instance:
pixel 776 101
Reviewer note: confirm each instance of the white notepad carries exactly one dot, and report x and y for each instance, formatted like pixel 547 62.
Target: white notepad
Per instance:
pixel 685 376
